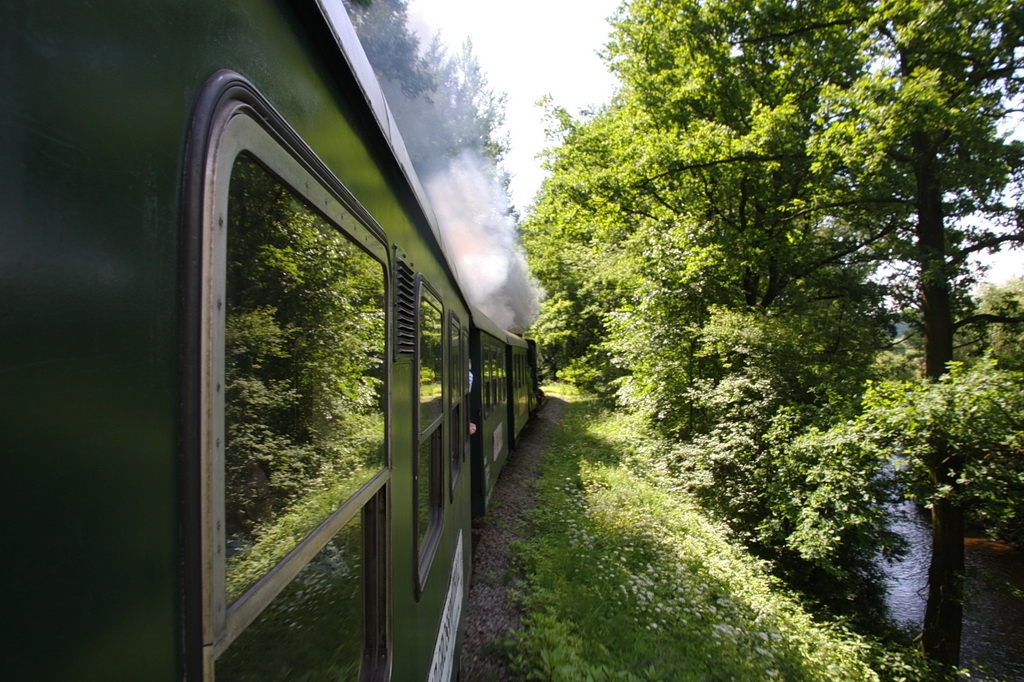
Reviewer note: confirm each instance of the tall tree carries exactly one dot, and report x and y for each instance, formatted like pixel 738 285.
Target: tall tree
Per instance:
pixel 730 299
pixel 695 189
pixel 922 124
pixel 760 152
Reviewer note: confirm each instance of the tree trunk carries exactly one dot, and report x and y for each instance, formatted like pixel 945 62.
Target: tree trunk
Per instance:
pixel 940 639
pixel 943 617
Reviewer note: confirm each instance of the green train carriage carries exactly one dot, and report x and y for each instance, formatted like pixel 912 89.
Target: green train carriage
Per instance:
pixel 236 406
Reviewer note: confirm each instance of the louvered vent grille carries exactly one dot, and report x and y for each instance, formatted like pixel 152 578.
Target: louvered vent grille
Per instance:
pixel 405 309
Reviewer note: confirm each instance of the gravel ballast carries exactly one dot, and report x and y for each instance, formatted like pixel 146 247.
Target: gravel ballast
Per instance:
pixel 490 616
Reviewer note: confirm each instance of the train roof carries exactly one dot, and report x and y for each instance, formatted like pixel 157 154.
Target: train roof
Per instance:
pixel 484 323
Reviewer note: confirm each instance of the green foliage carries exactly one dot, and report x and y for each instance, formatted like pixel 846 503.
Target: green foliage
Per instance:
pixel 947 70
pixel 304 350
pixel 797 500
pixel 628 579
pixel 915 139
pixel 978 412
pixel 692 196
pixel 998 328
pixel 707 282
pixel 581 284
pixel 841 509
pixel 710 241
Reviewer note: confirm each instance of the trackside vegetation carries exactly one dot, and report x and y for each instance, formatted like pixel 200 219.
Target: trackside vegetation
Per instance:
pixel 628 578
pixel 777 210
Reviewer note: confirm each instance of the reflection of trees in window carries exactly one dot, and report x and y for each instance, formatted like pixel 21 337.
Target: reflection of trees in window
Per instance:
pixel 430 360
pixel 315 624
pixel 485 378
pixel 305 330
pixel 457 380
pixel 519 378
pixel 493 374
pixel 430 453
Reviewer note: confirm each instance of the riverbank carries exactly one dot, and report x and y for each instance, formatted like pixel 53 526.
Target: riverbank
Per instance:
pixel 992 645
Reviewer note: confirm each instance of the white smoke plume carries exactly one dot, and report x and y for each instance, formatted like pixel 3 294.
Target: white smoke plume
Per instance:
pixel 448 118
pixel 480 235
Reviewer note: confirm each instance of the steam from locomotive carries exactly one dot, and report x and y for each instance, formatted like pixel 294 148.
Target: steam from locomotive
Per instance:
pixel 481 236
pixel 439 102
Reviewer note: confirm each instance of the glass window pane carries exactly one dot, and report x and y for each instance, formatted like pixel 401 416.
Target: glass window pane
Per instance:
pixel 457 381
pixel 305 335
pixel 423 484
pixel 429 489
pixel 430 360
pixel 313 626
pixel 455 353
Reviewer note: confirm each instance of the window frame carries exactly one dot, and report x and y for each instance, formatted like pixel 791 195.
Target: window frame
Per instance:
pixel 457 403
pixel 248 125
pixel 432 436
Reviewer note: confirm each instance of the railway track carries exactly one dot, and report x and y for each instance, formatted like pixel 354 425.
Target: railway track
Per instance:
pixel 490 614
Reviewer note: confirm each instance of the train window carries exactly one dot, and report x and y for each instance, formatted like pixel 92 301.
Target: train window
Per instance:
pixel 488 381
pixel 304 339
pixel 430 359
pixel 492 377
pixel 459 387
pixel 319 611
pixel 492 389
pixel 499 359
pixel 502 378
pixel 296 463
pixel 428 471
pixel 498 397
pixel 522 391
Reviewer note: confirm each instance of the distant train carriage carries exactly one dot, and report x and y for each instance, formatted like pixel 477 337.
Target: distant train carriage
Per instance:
pixel 523 397
pixel 490 399
pixel 507 398
pixel 236 408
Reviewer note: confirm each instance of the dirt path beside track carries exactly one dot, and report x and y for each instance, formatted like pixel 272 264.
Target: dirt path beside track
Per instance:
pixel 490 616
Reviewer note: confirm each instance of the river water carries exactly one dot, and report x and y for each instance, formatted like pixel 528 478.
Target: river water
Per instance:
pixel 992 646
